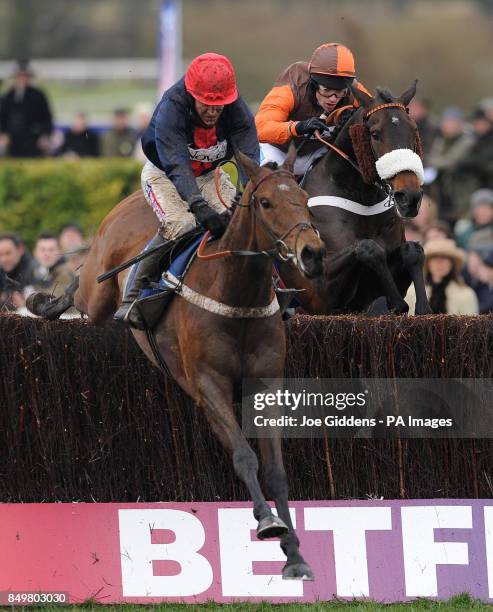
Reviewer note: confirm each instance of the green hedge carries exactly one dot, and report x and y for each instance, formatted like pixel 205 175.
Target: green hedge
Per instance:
pixel 42 195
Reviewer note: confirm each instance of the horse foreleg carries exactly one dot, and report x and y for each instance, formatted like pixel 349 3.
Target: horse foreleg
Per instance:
pixel 215 395
pixel 372 255
pixel 42 304
pixel 413 258
pixel 276 482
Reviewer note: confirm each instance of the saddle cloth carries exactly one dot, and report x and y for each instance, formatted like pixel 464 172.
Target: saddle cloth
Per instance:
pixel 177 261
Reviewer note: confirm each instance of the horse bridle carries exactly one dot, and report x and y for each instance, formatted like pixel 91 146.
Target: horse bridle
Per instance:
pixel 381 184
pixel 281 249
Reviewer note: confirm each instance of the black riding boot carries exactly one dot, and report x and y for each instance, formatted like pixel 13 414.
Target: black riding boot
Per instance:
pixel 148 271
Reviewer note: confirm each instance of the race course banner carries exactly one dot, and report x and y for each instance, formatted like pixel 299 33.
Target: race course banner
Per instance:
pixel 195 552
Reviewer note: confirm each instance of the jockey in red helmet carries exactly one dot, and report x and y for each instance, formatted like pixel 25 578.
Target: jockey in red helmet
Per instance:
pixel 193 129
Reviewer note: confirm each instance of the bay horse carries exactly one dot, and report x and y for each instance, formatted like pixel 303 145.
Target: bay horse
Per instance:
pixel 372 172
pixel 234 329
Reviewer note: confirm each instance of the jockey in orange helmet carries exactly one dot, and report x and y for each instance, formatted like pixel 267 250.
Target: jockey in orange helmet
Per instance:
pixel 302 98
pixel 193 129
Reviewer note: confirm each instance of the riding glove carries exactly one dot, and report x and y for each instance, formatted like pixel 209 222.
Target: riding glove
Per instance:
pixel 208 218
pixel 309 126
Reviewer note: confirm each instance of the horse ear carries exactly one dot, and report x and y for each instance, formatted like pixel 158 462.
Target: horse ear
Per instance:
pixel 363 98
pixel 249 165
pixel 290 158
pixel 409 94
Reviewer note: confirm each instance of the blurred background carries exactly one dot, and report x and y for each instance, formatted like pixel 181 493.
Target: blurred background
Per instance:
pixel 92 54
pixel 100 66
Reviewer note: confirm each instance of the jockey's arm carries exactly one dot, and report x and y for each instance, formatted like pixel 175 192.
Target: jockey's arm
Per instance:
pixel 172 148
pixel 272 119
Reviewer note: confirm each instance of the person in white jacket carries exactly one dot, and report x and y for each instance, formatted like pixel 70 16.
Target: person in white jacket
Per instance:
pixel 445 287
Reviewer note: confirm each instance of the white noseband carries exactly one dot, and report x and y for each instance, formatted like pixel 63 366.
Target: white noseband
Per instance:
pixel 400 160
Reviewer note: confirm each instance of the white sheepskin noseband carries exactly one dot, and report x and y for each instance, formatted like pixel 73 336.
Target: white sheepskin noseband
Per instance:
pixel 400 160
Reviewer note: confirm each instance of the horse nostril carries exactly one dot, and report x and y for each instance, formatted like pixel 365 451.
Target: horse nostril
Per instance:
pixel 312 260
pixel 312 253
pixel 400 198
pixel 408 199
pixel 415 198
pixel 308 254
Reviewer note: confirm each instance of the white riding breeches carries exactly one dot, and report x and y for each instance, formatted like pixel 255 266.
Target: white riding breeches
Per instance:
pixel 174 217
pixel 270 153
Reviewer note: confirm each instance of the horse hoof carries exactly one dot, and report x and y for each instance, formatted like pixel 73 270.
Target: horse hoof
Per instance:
pixel 36 303
pixel 297 571
pixel 271 527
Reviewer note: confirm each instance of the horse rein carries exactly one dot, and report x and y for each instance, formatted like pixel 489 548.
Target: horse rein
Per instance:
pixel 281 250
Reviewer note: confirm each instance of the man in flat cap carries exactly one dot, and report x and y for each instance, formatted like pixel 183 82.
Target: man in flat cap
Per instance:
pixel 25 117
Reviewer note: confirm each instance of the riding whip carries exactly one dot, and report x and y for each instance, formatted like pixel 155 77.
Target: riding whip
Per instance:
pixel 130 262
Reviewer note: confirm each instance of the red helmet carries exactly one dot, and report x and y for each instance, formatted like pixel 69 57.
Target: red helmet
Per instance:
pixel 210 79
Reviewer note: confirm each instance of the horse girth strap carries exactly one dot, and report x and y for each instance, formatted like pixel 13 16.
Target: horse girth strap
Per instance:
pixel 224 310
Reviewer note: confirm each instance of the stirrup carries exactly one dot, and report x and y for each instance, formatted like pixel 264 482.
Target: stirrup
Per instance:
pixel 134 317
pixel 145 313
pixel 122 312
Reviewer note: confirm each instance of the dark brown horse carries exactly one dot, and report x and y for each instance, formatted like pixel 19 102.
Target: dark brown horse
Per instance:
pixel 368 256
pixel 228 328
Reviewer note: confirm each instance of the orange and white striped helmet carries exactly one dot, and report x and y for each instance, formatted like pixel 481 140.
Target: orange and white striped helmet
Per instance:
pixel 332 65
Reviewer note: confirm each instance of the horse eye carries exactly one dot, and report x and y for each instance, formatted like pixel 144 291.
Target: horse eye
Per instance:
pixel 375 134
pixel 265 203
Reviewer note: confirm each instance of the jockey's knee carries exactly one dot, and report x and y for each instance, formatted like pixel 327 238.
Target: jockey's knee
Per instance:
pixel 208 189
pixel 172 230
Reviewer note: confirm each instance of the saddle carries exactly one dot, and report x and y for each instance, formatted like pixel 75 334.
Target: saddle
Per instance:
pixel 177 258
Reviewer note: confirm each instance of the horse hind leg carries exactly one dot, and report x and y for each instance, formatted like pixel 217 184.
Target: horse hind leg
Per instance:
pixel 42 305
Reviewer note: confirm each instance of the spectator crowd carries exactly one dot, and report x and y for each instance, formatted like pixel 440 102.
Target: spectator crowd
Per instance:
pixel 52 266
pixel 27 128
pixel 455 222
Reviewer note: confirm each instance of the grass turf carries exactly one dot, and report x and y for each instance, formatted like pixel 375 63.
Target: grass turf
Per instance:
pixel 459 603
